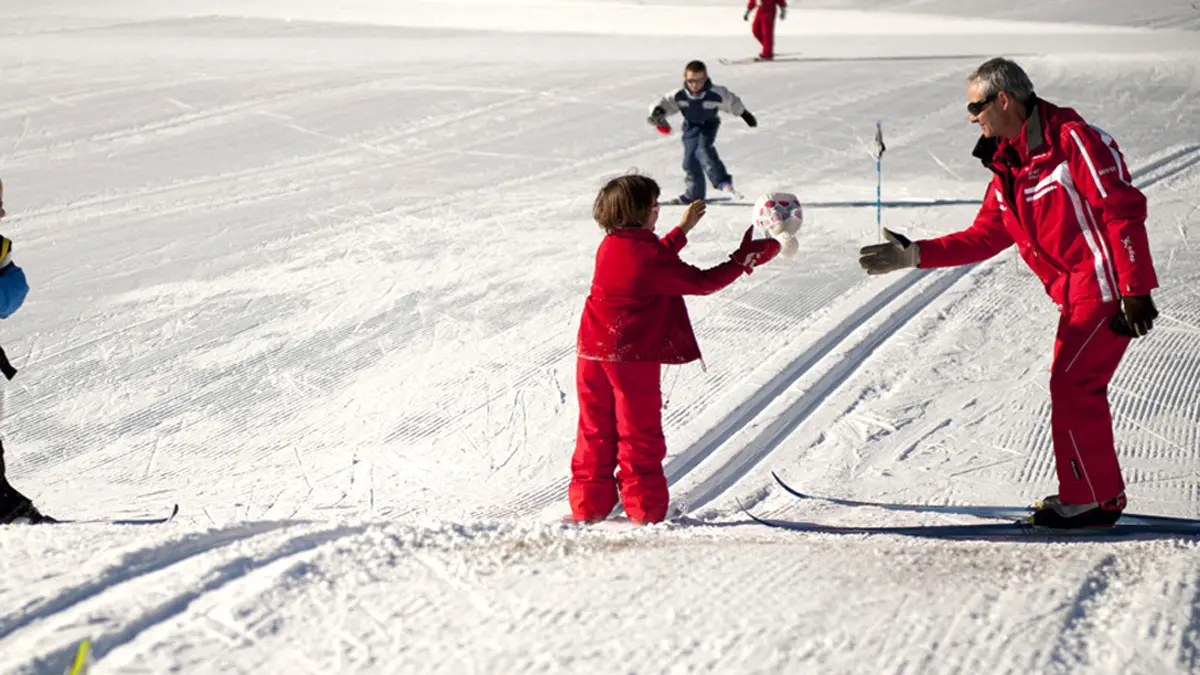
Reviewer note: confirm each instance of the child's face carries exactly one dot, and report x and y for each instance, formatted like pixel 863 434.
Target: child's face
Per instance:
pixel 695 81
pixel 650 222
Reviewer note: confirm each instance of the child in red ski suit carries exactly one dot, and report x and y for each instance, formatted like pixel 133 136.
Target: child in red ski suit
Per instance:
pixel 635 320
pixel 764 23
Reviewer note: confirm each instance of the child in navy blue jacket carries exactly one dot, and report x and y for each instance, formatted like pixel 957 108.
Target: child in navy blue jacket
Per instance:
pixel 699 101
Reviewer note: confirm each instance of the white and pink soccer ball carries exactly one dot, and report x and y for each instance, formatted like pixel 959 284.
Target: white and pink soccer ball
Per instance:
pixel 779 214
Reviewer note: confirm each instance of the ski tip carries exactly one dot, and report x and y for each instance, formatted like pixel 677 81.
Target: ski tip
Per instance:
pixel 789 488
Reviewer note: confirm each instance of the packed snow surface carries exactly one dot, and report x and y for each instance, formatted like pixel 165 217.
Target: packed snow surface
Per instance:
pixel 313 271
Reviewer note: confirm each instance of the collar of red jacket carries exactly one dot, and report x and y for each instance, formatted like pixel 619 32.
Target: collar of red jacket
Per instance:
pixel 1017 151
pixel 634 232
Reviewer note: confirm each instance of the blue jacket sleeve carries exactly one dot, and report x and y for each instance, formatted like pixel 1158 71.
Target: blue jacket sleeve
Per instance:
pixel 13 288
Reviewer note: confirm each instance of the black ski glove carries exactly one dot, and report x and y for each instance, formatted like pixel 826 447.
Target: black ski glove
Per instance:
pixel 750 120
pixel 1136 316
pixel 657 118
pixel 746 16
pixel 897 254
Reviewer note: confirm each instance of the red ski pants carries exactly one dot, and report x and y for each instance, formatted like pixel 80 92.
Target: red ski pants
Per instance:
pixel 1086 354
pixel 620 426
pixel 764 30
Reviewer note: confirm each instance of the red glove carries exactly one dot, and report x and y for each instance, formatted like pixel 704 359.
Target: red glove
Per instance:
pixel 664 129
pixel 754 252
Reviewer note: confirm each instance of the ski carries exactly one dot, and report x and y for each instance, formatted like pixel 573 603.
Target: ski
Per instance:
pixel 126 521
pixel 755 59
pixel 677 513
pixel 988 531
pixel 676 201
pixel 991 512
pixel 734 194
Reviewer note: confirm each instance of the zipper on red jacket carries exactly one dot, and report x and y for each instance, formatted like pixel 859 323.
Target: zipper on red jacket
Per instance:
pixel 1009 183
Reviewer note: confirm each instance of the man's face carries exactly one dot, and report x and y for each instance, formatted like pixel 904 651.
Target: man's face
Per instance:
pixel 695 81
pixel 983 112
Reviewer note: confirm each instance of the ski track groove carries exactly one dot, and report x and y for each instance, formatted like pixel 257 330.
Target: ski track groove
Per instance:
pixel 214 579
pixel 847 362
pixel 129 567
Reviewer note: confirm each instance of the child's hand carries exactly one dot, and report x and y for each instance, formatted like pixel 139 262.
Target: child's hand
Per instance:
pixel 693 214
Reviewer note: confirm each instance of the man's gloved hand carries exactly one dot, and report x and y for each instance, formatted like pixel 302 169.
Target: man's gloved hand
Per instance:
pixel 1135 317
pixel 746 16
pixel 658 120
pixel 782 13
pixel 754 252
pixel 897 254
pixel 750 120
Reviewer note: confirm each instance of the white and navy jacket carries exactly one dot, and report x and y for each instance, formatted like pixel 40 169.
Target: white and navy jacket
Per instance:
pixel 700 109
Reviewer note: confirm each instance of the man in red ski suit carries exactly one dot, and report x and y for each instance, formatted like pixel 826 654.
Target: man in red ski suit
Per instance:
pixel 633 321
pixel 764 24
pixel 1062 193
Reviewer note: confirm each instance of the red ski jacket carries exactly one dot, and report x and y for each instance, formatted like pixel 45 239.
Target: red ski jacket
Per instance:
pixel 1062 193
pixel 635 311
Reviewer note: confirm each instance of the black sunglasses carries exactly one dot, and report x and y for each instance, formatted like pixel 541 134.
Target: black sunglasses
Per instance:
pixel 976 107
pixel 692 80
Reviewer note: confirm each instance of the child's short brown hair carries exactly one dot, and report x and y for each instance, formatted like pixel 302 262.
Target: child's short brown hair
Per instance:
pixel 625 201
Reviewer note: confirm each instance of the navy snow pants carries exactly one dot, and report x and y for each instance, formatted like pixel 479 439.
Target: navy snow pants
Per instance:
pixel 700 158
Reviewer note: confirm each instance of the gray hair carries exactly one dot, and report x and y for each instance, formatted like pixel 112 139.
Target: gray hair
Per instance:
pixel 1000 74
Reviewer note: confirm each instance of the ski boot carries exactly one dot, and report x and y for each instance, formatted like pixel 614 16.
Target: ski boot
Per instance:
pixel 727 188
pixel 1052 513
pixel 16 508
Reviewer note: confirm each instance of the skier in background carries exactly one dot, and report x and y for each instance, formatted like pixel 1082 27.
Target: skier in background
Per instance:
pixel 764 24
pixel 635 320
pixel 1062 193
pixel 14 506
pixel 699 101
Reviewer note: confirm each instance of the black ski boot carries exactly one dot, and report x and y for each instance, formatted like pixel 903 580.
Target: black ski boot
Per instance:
pixel 1051 512
pixel 16 508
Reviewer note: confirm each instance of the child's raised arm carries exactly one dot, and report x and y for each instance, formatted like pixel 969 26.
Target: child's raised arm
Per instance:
pixel 676 239
pixel 673 276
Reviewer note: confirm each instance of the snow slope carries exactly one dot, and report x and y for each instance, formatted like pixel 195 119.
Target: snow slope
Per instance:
pixel 315 275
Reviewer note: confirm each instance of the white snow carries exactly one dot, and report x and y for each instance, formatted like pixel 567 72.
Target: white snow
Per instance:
pixel 313 271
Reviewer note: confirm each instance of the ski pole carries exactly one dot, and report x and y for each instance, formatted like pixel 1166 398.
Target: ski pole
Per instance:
pixel 879 148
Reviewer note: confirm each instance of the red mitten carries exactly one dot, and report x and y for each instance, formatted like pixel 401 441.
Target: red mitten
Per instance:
pixel 754 252
pixel 664 129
